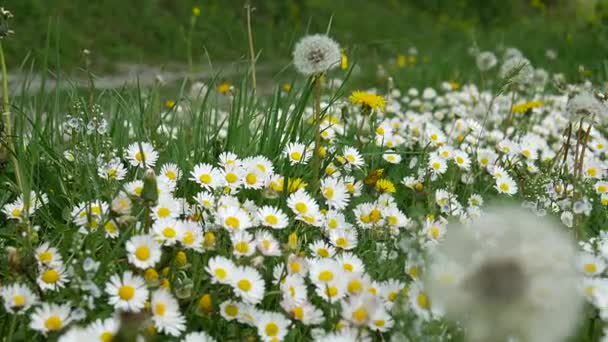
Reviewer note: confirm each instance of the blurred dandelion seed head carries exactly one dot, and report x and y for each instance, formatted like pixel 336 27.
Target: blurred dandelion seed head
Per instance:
pixel 507 274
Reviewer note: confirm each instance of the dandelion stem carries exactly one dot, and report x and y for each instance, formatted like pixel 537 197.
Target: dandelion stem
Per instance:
pixel 316 162
pixel 6 117
pixel 251 49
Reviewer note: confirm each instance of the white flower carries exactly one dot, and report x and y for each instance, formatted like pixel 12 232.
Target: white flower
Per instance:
pixel 485 60
pixel 248 284
pixel 165 313
pixel 272 326
pixel 316 54
pixel 144 156
pixel 512 276
pixel 103 329
pixel 200 336
pixel 17 298
pixel 207 176
pixel 586 105
pixel 335 193
pixel 272 217
pixel 167 230
pixel 233 218
pixel 53 278
pixel 143 251
pixel 297 153
pixel 50 317
pixel 220 269
pixel 127 292
pixel 506 185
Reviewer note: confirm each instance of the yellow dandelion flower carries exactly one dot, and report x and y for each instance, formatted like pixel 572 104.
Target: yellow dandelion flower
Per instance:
pixel 224 87
pixel 385 185
pixel 526 106
pixel 196 11
pixel 367 101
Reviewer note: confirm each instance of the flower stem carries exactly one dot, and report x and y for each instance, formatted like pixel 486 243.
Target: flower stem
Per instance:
pixel 8 124
pixel 316 157
pixel 251 49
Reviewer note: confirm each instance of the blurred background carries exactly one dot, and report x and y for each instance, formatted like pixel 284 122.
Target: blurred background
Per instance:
pixel 52 34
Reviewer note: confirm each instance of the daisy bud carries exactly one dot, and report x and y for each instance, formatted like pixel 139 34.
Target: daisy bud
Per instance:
pixel 292 241
pixel 151 276
pixel 209 240
pixel 14 259
pixel 150 191
pixel 205 303
pixel 181 259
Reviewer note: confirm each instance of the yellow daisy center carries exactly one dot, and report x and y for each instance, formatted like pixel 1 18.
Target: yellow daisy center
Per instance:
pixel 50 276
pixel 126 292
pixel 142 253
pixel 53 323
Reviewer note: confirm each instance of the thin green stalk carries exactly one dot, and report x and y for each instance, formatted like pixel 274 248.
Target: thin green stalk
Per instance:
pixel 251 49
pixel 316 162
pixel 11 329
pixel 8 124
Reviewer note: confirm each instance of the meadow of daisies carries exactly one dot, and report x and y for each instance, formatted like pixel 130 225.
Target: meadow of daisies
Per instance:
pixel 453 212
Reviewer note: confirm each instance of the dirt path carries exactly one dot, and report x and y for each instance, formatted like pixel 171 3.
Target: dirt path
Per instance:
pixel 145 75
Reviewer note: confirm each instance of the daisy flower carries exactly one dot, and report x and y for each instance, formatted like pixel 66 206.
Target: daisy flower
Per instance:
pixel 297 153
pixel 53 278
pixel 233 218
pixel 230 310
pixel 199 336
pixel 127 292
pixel 462 160
pixel 272 326
pixel 170 172
pixel 294 288
pixel 167 207
pixel 248 284
pixel 242 243
pixel 165 313
pixel 321 250
pixel 437 165
pixel 17 298
pixel 591 265
pixel 345 239
pixel 167 230
pixel 506 185
pixel 434 230
pixel 267 244
pixel 112 170
pixel 352 157
pixel 50 317
pixel 103 329
pixel 48 256
pixel 140 157
pixel 392 158
pixel 335 193
pixel 304 312
pixel 191 235
pixel 272 217
pixel 322 271
pixel 206 176
pixel 332 291
pixel 143 251
pixel 302 204
pixel 381 321
pixel 420 302
pixel 221 269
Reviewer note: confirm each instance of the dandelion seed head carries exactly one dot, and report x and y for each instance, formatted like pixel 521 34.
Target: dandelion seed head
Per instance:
pixel 316 54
